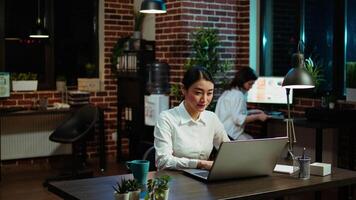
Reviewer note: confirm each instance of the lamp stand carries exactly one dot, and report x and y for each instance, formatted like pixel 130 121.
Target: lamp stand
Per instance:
pixel 290 130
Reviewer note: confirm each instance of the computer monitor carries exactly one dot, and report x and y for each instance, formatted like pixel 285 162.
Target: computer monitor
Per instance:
pixel 269 90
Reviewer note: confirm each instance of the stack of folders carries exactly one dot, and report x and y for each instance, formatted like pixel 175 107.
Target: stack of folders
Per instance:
pixel 78 98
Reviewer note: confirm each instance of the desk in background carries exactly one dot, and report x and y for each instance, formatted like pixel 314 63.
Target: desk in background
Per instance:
pixel 29 113
pixel 319 126
pixel 184 187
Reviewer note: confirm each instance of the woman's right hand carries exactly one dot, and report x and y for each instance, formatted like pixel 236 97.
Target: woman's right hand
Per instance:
pixel 205 164
pixel 263 117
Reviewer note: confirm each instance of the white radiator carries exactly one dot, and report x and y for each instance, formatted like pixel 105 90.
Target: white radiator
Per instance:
pixel 28 136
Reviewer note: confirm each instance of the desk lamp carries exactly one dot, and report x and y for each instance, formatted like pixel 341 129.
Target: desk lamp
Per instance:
pixel 296 78
pixel 153 7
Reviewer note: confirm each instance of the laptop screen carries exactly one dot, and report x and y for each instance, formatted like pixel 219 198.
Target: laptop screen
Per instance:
pixel 246 158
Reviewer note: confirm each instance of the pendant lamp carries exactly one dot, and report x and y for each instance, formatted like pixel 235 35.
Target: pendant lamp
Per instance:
pixel 153 7
pixel 39 30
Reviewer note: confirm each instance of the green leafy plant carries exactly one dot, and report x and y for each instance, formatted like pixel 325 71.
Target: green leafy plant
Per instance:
pixel 156 187
pixel 205 50
pixel 61 78
pixel 90 69
pixel 23 76
pixel 315 70
pixel 205 45
pixel 351 74
pixel 133 185
pixel 122 186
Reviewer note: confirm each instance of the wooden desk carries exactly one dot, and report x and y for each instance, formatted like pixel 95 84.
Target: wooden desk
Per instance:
pixel 319 126
pixel 184 187
pixel 102 155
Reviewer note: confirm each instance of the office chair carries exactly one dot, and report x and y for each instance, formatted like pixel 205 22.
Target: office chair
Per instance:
pixel 75 131
pixel 150 156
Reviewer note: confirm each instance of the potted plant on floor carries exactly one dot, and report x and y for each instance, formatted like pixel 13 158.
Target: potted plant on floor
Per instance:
pixel 24 81
pixel 205 53
pixel 121 190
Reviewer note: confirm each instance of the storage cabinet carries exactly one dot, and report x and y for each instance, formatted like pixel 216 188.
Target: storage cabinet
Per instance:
pixel 131 89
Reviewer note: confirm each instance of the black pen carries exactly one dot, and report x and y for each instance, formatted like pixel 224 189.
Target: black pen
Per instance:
pixel 303 155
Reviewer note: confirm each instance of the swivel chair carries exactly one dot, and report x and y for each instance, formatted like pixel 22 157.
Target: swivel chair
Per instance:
pixel 75 131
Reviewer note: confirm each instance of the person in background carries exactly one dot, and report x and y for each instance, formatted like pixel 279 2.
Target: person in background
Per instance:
pixel 184 136
pixel 231 107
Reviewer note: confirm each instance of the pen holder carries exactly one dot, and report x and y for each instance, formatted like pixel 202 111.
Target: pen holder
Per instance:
pixel 301 167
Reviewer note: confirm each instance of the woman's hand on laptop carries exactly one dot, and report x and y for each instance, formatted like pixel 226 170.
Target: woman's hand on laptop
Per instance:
pixel 205 164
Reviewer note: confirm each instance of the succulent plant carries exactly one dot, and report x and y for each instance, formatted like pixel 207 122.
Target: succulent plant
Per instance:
pixel 122 186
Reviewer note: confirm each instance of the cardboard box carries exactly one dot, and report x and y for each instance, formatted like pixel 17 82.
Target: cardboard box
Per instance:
pixel 89 84
pixel 320 169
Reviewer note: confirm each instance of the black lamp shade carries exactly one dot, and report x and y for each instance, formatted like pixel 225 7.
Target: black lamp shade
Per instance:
pixel 153 7
pixel 298 77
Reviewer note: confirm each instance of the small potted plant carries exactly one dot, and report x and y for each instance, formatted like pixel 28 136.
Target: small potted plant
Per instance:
pixel 90 83
pixel 121 190
pixel 61 82
pixel 134 188
pixel 158 188
pixel 24 81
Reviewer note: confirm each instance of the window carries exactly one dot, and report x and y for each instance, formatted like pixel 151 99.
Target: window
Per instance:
pixel 350 34
pixel 279 35
pixel 73 41
pixel 319 23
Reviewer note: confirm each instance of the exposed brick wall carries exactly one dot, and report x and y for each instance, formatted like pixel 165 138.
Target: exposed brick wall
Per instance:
pixel 173 38
pixel 173 31
pixel 118 23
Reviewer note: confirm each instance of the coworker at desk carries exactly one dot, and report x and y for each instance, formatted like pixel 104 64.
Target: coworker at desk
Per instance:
pixel 231 107
pixel 185 135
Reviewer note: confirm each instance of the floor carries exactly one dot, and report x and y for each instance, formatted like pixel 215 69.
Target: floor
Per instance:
pixel 24 181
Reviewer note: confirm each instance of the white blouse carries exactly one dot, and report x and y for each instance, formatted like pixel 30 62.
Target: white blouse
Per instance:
pixel 180 141
pixel 231 109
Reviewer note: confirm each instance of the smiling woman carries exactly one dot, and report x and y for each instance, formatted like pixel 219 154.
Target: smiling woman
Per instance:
pixel 72 42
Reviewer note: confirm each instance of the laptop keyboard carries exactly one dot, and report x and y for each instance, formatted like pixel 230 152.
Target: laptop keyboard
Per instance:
pixel 203 174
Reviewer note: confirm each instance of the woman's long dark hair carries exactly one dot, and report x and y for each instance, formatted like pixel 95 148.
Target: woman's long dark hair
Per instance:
pixel 194 74
pixel 242 76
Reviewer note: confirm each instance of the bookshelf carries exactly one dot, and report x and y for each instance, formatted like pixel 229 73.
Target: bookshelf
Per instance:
pixel 131 89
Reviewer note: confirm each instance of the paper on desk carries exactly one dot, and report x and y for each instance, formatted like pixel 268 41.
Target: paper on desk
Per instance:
pixel 286 169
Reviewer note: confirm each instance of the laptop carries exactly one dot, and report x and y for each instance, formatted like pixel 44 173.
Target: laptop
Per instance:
pixel 243 158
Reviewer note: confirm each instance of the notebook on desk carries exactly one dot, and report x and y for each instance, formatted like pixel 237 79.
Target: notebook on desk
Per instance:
pixel 243 158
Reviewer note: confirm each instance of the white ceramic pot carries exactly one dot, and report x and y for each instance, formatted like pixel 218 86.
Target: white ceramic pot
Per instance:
pixel 61 86
pixel 124 196
pixel 135 195
pixel 24 85
pixel 166 194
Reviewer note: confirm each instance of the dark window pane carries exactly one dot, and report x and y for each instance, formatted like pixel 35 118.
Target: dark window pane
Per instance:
pixel 75 42
pixel 280 35
pixel 319 37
